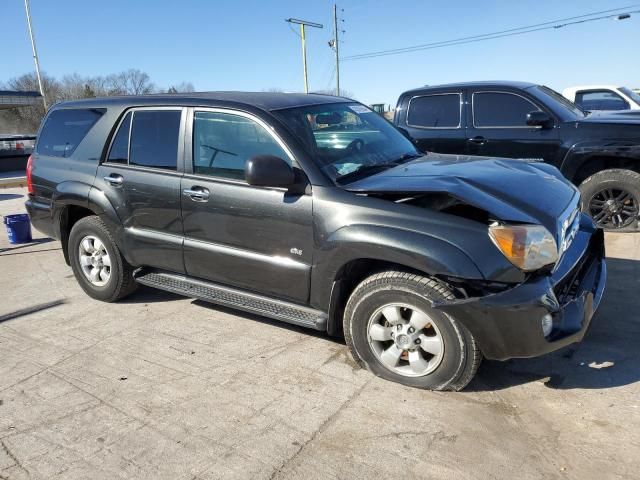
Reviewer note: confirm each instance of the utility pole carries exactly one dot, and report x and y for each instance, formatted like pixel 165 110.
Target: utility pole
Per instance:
pixel 302 24
pixel 35 52
pixel 336 47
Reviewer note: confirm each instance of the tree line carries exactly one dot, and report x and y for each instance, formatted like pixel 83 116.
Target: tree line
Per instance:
pixel 73 87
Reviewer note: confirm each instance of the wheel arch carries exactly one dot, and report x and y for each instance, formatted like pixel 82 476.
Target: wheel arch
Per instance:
pixel 356 253
pixel 586 159
pixel 74 202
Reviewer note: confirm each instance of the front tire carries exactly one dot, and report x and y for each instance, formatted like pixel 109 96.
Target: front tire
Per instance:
pixel 612 199
pixel 392 330
pixel 97 263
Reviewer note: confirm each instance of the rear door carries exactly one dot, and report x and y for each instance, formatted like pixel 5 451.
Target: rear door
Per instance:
pixel 498 128
pixel 255 238
pixel 435 121
pixel 141 178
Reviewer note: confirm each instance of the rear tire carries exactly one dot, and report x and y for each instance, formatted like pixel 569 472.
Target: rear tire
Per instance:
pixel 439 354
pixel 612 199
pixel 97 263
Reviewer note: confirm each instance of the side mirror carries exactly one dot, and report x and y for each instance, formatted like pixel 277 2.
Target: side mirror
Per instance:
pixel 539 119
pixel 268 171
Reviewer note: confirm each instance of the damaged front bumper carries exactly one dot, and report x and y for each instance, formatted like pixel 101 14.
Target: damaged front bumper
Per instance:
pixel 509 324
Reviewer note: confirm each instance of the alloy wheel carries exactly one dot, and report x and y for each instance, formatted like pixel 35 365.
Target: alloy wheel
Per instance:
pixel 613 208
pixel 405 340
pixel 94 260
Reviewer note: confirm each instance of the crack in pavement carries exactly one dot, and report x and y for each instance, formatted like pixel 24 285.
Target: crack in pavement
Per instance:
pixel 328 422
pixel 11 455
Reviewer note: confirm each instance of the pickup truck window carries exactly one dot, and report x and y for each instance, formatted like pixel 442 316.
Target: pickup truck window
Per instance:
pixel 154 138
pixel 348 140
pixel 500 109
pixel 434 111
pixel 223 142
pixel 600 100
pixel 64 130
pixel 631 94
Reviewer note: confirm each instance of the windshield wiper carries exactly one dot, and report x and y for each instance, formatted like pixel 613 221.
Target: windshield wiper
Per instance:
pixel 364 170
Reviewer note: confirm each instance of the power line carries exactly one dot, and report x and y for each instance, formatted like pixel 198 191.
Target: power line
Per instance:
pixel 553 24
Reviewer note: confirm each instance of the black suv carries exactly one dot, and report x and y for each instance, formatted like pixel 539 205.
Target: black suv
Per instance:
pixel 314 210
pixel 600 153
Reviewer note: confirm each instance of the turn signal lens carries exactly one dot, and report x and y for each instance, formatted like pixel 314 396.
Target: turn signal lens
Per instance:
pixel 528 247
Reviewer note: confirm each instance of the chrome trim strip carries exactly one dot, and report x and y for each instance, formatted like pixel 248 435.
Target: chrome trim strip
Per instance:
pixel 473 113
pixel 155 235
pixel 276 260
pixel 459 126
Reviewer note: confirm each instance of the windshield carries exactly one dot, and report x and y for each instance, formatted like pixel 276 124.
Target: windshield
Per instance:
pixel 631 94
pixel 348 140
pixel 563 101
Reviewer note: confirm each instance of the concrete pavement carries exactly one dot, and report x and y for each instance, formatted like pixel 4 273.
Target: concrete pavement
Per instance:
pixel 160 386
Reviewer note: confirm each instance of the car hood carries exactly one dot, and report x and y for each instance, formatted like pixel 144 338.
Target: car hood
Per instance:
pixel 510 190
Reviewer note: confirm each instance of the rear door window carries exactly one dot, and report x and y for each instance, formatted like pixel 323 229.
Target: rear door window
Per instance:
pixel 64 130
pixel 119 152
pixel 434 111
pixel 154 138
pixel 601 100
pixel 501 109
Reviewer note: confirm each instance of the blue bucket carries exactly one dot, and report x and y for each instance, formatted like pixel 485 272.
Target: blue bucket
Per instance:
pixel 18 228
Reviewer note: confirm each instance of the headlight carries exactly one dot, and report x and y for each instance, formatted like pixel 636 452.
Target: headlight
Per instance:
pixel 528 247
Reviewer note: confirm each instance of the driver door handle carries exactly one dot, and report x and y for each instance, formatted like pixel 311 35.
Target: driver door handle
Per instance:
pixel 114 179
pixel 478 140
pixel 197 194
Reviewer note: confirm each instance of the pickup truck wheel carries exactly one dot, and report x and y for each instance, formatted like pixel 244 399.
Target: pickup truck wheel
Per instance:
pixel 96 261
pixel 612 199
pixel 392 330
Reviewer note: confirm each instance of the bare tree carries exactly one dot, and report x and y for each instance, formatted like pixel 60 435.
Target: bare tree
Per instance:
pixel 129 82
pixel 182 87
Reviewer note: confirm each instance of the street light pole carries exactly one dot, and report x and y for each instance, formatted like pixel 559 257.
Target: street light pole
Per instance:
pixel 35 52
pixel 336 46
pixel 302 24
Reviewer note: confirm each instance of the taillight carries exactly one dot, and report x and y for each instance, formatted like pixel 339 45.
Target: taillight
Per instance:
pixel 29 171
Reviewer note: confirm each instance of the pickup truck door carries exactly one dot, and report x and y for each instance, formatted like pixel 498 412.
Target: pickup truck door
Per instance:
pixel 141 179
pixel 259 239
pixel 436 122
pixel 497 128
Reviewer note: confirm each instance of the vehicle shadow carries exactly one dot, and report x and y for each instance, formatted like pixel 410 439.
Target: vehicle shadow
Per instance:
pixel 609 356
pixel 146 294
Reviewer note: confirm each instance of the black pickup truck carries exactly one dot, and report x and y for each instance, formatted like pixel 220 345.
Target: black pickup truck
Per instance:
pixel 599 153
pixel 316 211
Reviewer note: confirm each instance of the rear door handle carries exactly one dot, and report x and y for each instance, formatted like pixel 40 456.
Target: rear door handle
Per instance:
pixel 197 194
pixel 478 140
pixel 114 180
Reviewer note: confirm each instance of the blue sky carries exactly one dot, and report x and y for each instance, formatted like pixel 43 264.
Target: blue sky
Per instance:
pixel 246 45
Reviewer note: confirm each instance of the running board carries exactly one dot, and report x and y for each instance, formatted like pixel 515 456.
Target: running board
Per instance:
pixel 231 297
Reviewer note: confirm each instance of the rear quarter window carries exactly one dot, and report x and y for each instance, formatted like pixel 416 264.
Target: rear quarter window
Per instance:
pixel 64 130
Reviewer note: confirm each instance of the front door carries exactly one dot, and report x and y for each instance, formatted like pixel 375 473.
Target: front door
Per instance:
pixel 498 128
pixel 141 179
pixel 236 234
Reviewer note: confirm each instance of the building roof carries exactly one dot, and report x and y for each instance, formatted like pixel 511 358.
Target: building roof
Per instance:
pixel 13 99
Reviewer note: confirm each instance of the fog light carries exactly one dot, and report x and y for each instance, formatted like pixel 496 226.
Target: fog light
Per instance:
pixel 547 324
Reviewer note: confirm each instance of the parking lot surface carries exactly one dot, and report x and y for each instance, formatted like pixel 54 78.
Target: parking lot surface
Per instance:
pixel 163 387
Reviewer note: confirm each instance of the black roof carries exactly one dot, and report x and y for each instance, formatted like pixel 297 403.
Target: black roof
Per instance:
pixel 263 100
pixel 485 83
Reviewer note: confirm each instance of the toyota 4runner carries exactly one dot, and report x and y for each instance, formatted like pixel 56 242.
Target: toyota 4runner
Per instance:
pixel 316 211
